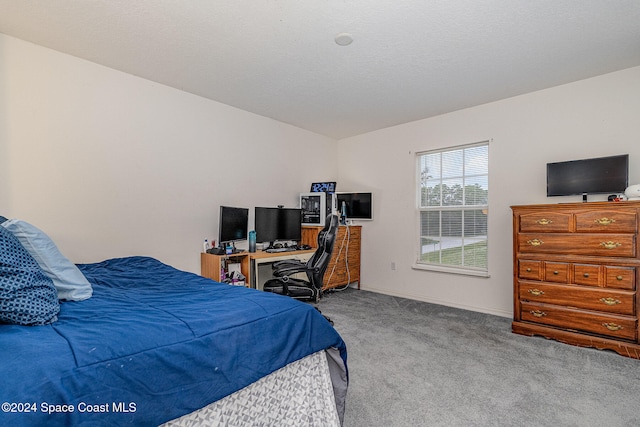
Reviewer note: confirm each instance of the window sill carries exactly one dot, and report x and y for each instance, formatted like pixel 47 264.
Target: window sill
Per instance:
pixel 452 270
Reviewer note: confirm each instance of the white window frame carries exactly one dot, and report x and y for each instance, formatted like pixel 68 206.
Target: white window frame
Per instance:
pixel 422 264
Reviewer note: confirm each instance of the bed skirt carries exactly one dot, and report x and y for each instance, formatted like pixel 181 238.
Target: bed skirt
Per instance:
pixel 308 392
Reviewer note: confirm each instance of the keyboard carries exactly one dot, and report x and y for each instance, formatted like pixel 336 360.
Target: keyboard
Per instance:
pixel 277 250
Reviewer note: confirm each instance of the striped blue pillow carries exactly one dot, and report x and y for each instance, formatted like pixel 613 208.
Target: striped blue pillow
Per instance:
pixel 27 295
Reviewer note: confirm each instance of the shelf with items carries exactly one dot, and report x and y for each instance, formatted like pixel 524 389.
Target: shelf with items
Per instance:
pixel 211 265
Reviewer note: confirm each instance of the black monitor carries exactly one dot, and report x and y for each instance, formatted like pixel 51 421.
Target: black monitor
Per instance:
pixel 357 205
pixel 274 224
pixel 233 224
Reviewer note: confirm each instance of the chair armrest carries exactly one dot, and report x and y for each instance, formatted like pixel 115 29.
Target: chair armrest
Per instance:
pixel 288 267
pixel 288 263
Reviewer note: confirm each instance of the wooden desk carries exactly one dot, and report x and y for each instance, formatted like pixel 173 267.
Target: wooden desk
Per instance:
pixel 210 264
pixel 344 266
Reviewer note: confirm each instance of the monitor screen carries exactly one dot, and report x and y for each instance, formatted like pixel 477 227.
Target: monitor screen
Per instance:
pixel 358 205
pixel 588 176
pixel 233 224
pixel 273 224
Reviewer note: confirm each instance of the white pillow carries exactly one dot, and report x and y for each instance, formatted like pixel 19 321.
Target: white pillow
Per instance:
pixel 67 278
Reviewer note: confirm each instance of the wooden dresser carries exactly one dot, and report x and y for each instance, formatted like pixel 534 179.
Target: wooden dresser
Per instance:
pixel 575 272
pixel 344 267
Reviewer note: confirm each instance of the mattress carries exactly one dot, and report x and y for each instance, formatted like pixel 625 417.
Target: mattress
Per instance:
pixel 300 394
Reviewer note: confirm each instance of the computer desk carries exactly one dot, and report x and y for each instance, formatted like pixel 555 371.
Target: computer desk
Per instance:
pixel 253 265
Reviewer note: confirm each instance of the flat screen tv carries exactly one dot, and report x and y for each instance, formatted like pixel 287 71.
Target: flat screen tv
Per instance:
pixel 273 224
pixel 588 176
pixel 358 205
pixel 233 224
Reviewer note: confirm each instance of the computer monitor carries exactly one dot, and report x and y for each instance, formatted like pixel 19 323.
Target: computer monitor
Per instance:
pixel 357 205
pixel 273 224
pixel 233 224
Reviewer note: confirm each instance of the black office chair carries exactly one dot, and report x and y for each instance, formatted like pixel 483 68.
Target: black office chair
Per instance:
pixel 311 289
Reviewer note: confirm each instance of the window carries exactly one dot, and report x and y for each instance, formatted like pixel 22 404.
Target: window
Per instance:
pixel 453 192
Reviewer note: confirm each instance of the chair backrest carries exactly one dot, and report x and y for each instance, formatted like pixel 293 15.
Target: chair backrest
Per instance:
pixel 319 261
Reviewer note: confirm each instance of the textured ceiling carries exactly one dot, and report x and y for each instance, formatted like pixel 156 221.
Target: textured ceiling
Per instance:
pixel 409 59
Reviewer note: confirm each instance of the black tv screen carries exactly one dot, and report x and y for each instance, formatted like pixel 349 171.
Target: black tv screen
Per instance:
pixel 358 205
pixel 588 176
pixel 233 224
pixel 274 224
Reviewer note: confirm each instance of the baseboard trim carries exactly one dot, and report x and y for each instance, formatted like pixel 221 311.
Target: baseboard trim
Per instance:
pixel 494 312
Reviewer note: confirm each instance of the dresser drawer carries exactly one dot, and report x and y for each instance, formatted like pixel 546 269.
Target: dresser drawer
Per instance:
pixel 531 270
pixel 556 272
pixel 586 274
pixel 620 277
pixel 612 245
pixel 618 326
pixel 545 222
pixel 606 221
pixel 597 299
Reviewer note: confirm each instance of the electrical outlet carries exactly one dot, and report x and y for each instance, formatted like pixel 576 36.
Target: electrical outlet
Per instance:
pixel 393 265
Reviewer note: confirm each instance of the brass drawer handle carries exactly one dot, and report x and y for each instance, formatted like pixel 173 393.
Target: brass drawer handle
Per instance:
pixel 612 326
pixel 538 313
pixel 535 242
pixel 604 221
pixel 610 301
pixel 528 269
pixel 536 292
pixel 619 277
pixel 610 244
pixel 556 272
pixel 544 221
pixel 585 275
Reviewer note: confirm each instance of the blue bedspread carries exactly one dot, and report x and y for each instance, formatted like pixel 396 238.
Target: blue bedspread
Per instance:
pixel 152 344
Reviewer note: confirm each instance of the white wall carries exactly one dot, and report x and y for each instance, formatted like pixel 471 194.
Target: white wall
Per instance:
pixel 112 165
pixel 589 118
pixel 4 164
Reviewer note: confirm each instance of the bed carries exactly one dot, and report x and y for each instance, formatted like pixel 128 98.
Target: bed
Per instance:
pixel 156 345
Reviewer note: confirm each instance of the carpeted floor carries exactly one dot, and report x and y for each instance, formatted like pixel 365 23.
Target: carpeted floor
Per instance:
pixel 417 364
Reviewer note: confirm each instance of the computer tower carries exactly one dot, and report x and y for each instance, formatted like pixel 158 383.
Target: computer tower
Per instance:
pixel 315 207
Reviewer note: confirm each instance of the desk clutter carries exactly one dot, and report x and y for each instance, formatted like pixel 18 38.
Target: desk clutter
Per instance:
pixel 231 274
pixel 343 268
pixel 288 233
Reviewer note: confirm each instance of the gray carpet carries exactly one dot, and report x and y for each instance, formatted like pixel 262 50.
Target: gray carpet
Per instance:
pixel 417 364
